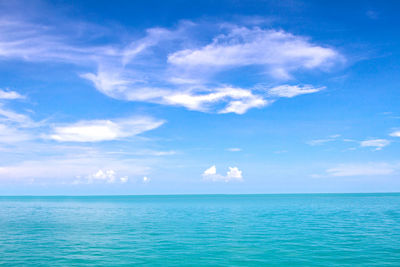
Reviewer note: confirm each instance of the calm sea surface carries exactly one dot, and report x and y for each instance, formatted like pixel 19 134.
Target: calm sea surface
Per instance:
pixel 202 230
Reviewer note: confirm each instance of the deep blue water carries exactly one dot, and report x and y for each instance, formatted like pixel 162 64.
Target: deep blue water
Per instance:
pixel 212 230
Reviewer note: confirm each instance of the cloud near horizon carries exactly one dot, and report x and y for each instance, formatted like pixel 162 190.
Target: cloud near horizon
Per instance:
pixel 84 168
pixel 107 176
pixel 369 169
pixel 233 174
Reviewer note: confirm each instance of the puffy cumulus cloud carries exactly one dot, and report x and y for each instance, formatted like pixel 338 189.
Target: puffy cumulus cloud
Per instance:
pixel 124 179
pixel 378 144
pixel 100 175
pixel 233 174
pixel 10 95
pixel 103 130
pixel 173 66
pixel 395 134
pixel 370 169
pixel 292 90
pixel 146 180
pixel 210 171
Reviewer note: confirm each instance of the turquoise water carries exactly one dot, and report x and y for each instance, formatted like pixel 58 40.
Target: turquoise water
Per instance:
pixel 212 230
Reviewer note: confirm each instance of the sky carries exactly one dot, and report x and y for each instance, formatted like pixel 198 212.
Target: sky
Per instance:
pixel 199 97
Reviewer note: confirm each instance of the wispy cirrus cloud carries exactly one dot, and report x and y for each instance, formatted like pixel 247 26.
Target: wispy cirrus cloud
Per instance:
pixel 14 126
pixel 39 42
pixel 278 51
pixel 234 149
pixel 330 138
pixel 369 169
pixel 293 90
pixel 11 117
pixel 11 134
pixel 378 144
pixel 172 66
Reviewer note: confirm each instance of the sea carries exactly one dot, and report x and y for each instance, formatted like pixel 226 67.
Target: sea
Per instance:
pixel 201 230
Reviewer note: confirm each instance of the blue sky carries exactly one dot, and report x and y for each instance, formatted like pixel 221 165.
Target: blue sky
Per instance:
pixel 168 97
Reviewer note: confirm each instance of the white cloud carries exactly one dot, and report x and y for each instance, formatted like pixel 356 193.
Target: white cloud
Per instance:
pixel 181 80
pixel 280 52
pixel 199 98
pixel 330 138
pixel 174 66
pixel 153 37
pixel 395 134
pixel 102 176
pixel 238 100
pixel 79 169
pixel 10 95
pixel 9 134
pixel 145 152
pixel 109 83
pixel 106 175
pixel 21 120
pixel 158 153
pixel 233 174
pixel 369 169
pixel 378 144
pixel 40 42
pixel 13 126
pixel 103 130
pixel 242 106
pixel 146 180
pixel 210 171
pixel 234 149
pixel 293 90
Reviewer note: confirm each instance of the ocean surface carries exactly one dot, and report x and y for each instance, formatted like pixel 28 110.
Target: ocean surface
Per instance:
pixel 201 230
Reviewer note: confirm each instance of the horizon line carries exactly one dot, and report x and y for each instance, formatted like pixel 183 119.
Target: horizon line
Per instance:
pixel 205 194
